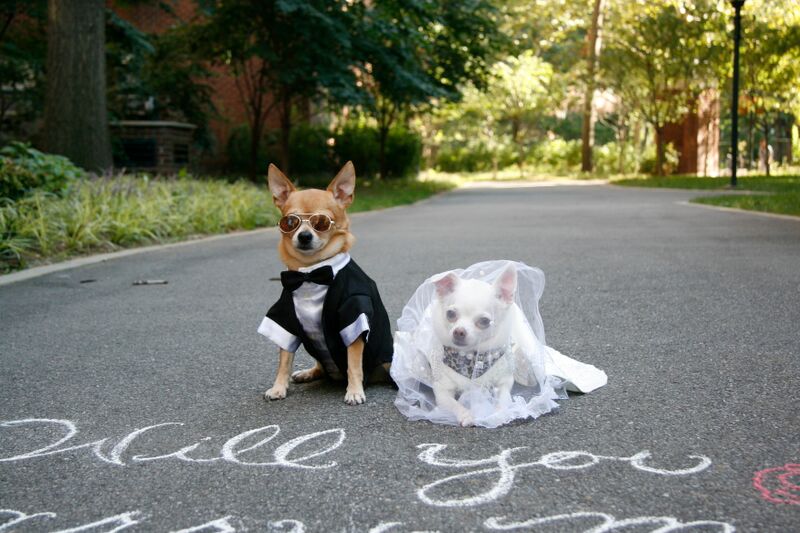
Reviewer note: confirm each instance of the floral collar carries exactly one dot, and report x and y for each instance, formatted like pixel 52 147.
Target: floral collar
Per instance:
pixel 472 364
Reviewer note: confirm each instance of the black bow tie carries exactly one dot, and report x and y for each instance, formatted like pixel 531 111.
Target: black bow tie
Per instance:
pixel 291 279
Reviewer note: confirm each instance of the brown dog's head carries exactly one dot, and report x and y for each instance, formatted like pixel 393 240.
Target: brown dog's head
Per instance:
pixel 305 246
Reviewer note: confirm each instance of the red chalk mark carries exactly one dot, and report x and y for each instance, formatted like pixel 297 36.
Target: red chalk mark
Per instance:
pixel 776 484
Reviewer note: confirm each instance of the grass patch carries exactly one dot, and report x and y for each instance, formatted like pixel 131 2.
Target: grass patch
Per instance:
pixel 781 193
pixel 787 203
pixel 510 174
pixel 108 213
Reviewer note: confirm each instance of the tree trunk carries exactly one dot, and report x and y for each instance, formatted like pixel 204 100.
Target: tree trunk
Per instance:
pixel 593 43
pixel 767 155
pixel 75 114
pixel 256 132
pixel 659 151
pixel 383 134
pixel 286 130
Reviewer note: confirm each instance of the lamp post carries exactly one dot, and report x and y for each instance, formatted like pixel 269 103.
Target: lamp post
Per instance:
pixel 737 34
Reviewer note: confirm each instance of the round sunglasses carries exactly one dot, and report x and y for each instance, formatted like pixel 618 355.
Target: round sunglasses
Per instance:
pixel 318 221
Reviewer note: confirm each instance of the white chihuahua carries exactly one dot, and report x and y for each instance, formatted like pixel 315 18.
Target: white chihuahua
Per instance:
pixel 475 323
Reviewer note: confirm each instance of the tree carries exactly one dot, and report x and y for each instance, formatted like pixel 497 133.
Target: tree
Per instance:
pixel 281 52
pixel 75 116
pixel 22 52
pixel 660 56
pixel 413 54
pixel 593 42
pixel 770 66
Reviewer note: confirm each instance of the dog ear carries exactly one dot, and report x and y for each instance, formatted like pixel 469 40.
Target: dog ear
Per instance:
pixel 279 186
pixel 506 284
pixel 343 185
pixel 446 285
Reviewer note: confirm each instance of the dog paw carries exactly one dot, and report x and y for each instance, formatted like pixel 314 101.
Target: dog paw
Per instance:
pixel 304 376
pixel 466 420
pixel 275 393
pixel 355 397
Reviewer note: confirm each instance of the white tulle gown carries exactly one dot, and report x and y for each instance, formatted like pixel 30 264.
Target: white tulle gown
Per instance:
pixel 423 360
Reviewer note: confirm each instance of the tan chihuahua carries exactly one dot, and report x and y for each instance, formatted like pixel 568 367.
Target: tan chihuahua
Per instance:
pixel 328 304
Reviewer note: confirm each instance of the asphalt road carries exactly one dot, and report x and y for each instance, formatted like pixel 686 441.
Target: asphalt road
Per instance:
pixel 693 313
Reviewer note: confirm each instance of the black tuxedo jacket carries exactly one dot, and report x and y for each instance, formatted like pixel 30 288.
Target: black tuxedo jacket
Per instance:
pixel 350 294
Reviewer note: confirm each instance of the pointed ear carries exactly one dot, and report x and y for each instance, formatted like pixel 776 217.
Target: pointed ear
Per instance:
pixel 446 285
pixel 279 186
pixel 343 185
pixel 506 284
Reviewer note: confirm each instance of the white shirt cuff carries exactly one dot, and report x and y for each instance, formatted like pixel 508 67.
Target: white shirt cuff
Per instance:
pixel 354 330
pixel 274 332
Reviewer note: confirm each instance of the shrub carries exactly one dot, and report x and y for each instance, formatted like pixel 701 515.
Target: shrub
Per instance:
pixel 24 169
pixel 648 163
pixel 238 150
pixel 359 144
pixel 606 159
pixel 556 154
pixel 403 153
pixel 473 157
pixel 309 152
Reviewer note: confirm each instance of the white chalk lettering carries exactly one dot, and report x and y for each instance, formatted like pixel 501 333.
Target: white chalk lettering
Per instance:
pixel 18 517
pixel 320 442
pixel 220 525
pixel 661 524
pixel 280 525
pixel 607 524
pixel 118 522
pixel 501 467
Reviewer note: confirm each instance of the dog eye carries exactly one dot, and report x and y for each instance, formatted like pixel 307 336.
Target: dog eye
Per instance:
pixel 451 315
pixel 483 322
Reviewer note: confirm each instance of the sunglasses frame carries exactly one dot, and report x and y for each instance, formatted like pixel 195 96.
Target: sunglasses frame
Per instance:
pixel 306 217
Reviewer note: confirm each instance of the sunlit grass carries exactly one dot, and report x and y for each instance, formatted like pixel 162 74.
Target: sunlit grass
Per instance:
pixel 774 194
pixel 510 174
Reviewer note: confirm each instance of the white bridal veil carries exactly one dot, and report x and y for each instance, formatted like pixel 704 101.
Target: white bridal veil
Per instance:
pixel 541 374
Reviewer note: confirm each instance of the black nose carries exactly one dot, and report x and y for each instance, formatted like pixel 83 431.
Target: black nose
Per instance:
pixel 305 237
pixel 459 334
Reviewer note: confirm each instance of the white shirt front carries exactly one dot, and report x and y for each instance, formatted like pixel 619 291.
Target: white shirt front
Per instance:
pixel 308 300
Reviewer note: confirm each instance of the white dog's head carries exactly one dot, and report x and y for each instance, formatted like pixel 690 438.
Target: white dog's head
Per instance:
pixel 470 314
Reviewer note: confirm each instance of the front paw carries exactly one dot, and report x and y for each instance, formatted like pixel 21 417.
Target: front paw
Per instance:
pixel 277 392
pixel 465 419
pixel 355 396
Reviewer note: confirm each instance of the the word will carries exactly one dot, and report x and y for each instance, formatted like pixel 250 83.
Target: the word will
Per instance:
pixel 289 454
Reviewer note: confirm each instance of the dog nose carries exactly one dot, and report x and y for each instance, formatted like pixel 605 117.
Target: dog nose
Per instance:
pixel 459 334
pixel 305 237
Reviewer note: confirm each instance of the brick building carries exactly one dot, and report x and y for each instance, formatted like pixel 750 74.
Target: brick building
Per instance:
pixel 696 137
pixel 150 18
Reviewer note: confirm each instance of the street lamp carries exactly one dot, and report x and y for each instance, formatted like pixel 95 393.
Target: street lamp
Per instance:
pixel 737 34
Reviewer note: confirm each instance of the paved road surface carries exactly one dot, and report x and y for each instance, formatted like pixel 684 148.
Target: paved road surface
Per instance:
pixel 693 313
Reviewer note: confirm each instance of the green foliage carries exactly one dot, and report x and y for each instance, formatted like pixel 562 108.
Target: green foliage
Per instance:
pixel 475 157
pixel 649 161
pixel 105 213
pixel 156 77
pixel 22 59
pixel 24 169
pixel 358 143
pixel 607 159
pixel 556 154
pixel 309 152
pixel 775 194
pixel 403 153
pixel 781 203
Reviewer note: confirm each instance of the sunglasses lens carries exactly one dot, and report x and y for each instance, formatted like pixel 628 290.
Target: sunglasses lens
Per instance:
pixel 320 222
pixel 289 223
